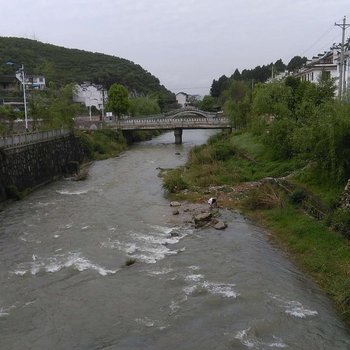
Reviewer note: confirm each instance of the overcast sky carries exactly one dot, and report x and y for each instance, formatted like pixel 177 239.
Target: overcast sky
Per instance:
pixel 185 43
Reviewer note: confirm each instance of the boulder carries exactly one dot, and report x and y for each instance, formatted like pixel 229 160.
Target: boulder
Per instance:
pixel 176 212
pixel 175 204
pixel 220 225
pixel 202 219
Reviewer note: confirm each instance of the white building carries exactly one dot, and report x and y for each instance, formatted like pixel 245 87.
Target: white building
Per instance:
pixel 185 100
pixel 91 95
pixel 36 82
pixel 327 65
pixel 181 99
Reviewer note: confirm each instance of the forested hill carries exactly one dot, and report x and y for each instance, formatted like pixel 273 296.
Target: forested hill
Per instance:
pixel 62 66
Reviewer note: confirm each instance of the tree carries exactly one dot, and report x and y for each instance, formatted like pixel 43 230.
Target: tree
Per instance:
pixel 61 109
pixel 219 86
pixel 144 106
pixel 118 99
pixel 272 100
pixel 279 66
pixel 208 103
pixel 237 103
pixel 236 75
pixel 296 63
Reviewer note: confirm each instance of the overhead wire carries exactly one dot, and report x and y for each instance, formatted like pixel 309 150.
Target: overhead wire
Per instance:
pixel 318 40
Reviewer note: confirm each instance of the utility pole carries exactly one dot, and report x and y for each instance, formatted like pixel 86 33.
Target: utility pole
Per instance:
pixel 343 26
pixel 24 98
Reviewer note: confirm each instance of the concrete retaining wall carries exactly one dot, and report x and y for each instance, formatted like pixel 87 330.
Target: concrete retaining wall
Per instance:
pixel 28 166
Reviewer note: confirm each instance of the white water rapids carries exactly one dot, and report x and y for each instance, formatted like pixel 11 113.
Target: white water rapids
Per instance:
pixel 64 283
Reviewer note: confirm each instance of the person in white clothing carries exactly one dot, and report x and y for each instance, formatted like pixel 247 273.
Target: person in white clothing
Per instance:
pixel 212 201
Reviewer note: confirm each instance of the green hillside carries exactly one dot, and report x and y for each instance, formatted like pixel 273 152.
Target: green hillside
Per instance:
pixel 62 66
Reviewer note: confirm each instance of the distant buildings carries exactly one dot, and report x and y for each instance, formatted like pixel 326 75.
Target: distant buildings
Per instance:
pixel 185 100
pixel 13 82
pixel 36 82
pixel 327 65
pixel 91 95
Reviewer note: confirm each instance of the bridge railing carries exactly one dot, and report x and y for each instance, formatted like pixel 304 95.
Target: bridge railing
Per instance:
pixel 173 120
pixel 163 123
pixel 32 137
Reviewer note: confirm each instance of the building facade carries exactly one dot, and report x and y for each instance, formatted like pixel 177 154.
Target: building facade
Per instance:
pixel 91 95
pixel 327 65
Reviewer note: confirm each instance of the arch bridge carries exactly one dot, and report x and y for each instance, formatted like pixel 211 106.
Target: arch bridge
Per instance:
pixel 184 118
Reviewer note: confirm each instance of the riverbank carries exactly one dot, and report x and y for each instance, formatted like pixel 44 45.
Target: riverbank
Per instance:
pixel 288 198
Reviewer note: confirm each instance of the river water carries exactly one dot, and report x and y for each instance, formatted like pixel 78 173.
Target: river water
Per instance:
pixel 64 283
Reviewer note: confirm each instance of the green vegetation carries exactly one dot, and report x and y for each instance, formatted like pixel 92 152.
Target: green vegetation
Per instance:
pixel 118 100
pixel 103 144
pixel 12 192
pixel 259 74
pixel 145 105
pixel 286 167
pixel 62 66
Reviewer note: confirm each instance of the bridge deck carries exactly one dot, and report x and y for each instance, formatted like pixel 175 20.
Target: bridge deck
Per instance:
pixel 174 123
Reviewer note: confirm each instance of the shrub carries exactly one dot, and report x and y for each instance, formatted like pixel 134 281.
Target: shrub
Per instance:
pixel 222 151
pixel 264 197
pixel 173 181
pixel 340 221
pixel 200 155
pixel 87 144
pixel 297 197
pixel 280 138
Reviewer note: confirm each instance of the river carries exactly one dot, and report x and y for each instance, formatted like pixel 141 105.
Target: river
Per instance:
pixel 64 283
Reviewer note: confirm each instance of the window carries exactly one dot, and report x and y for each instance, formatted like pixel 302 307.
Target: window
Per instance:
pixel 326 75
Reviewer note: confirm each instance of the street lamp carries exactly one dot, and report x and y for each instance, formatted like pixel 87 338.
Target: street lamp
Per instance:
pixel 21 71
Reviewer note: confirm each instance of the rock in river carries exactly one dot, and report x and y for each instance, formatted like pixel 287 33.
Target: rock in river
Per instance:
pixel 220 225
pixel 202 219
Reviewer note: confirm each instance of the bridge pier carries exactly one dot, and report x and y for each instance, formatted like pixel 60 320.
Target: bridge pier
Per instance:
pixel 178 136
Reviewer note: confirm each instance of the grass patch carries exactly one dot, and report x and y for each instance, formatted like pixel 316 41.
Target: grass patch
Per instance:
pixel 103 144
pixel 321 252
pixel 231 159
pixel 173 180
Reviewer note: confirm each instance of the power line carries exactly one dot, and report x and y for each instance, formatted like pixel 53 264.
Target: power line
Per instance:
pixel 318 40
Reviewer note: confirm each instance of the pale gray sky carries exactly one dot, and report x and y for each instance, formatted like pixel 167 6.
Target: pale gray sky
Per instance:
pixel 185 43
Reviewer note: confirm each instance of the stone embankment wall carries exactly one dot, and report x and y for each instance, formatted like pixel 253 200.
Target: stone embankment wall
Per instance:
pixel 29 166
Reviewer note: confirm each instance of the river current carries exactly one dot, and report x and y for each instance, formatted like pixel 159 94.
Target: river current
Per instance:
pixel 64 283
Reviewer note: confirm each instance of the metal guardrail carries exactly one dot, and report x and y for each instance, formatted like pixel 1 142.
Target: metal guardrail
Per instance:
pixel 32 137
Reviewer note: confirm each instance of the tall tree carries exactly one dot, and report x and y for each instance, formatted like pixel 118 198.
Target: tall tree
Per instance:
pixel 296 63
pixel 236 75
pixel 219 86
pixel 144 106
pixel 118 99
pixel 279 66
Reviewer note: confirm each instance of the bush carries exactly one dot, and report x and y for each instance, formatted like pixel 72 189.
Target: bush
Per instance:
pixel 258 125
pixel 340 221
pixel 87 144
pixel 200 155
pixel 280 138
pixel 264 197
pixel 173 181
pixel 297 197
pixel 222 151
